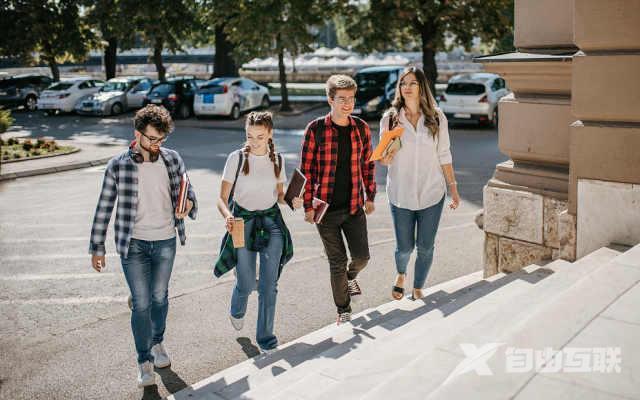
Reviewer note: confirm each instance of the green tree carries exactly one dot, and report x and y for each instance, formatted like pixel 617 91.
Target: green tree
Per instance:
pixel 50 31
pixel 392 24
pixel 164 24
pixel 214 15
pixel 268 27
pixel 113 23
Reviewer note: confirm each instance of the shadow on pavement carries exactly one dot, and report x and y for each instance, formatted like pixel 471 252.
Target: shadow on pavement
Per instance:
pixel 171 380
pixel 298 353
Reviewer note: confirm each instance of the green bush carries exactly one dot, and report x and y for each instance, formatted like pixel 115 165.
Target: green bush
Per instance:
pixel 12 141
pixel 5 120
pixel 27 145
pixel 17 155
pixel 40 142
pixel 36 153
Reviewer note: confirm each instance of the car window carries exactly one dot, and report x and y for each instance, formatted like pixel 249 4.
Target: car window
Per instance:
pixel 503 84
pixel 238 83
pixel 85 85
pixel 143 86
pixel 495 86
pixel 465 88
pixel 98 83
pixel 61 86
pixel 162 89
pixel 114 87
pixel 371 80
pixel 247 84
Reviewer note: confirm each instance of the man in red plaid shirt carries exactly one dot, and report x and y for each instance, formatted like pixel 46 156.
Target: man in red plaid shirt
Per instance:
pixel 335 161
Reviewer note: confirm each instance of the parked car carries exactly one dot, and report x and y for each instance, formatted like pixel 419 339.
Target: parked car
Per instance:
pixel 473 97
pixel 23 90
pixel 176 95
pixel 116 96
pixel 376 88
pixel 230 97
pixel 64 95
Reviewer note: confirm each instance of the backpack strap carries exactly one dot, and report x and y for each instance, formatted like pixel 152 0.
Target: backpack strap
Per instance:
pixel 230 202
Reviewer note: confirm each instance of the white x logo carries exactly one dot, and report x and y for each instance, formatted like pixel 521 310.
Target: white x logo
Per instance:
pixel 476 360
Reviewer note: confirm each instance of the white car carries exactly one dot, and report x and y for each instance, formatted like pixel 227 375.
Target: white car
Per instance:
pixel 64 95
pixel 230 96
pixel 116 96
pixel 473 97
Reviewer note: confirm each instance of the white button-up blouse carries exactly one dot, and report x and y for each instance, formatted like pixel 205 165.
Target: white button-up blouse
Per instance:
pixel 415 180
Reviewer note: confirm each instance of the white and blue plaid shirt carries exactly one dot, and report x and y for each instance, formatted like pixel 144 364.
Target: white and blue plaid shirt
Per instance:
pixel 121 181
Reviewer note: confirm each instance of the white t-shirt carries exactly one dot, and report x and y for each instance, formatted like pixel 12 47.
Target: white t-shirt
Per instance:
pixel 154 214
pixel 258 190
pixel 415 179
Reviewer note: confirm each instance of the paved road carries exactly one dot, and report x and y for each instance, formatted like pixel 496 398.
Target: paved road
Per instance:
pixel 64 330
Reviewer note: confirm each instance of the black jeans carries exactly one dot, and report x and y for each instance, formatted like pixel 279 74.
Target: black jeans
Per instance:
pixel 354 227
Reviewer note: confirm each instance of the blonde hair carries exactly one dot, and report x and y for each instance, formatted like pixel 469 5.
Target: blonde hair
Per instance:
pixel 261 118
pixel 339 82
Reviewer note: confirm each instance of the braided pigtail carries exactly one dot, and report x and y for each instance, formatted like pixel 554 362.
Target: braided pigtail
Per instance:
pixel 245 167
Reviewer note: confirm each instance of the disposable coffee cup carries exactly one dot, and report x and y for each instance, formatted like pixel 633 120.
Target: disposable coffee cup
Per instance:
pixel 237 233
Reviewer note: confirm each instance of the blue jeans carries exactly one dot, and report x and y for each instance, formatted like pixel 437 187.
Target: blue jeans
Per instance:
pixel 147 270
pixel 404 224
pixel 267 285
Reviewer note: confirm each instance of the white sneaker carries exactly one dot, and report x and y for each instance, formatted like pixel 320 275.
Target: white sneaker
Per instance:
pixel 266 352
pixel 237 323
pixel 146 376
pixel 160 357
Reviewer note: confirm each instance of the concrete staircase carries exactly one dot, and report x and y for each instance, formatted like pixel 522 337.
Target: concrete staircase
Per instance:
pixel 412 350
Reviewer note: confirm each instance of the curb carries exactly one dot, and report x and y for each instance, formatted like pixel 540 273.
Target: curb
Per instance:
pixel 51 170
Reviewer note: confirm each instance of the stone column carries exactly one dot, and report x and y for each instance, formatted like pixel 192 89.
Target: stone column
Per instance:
pixel 604 192
pixel 525 203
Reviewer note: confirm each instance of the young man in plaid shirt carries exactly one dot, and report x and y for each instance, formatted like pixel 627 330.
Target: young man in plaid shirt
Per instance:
pixel 335 156
pixel 146 181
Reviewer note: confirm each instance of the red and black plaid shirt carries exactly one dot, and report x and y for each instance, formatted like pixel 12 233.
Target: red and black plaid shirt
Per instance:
pixel 320 157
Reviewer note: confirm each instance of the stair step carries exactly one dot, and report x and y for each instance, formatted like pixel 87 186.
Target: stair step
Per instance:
pixel 553 324
pixel 492 323
pixel 250 373
pixel 300 380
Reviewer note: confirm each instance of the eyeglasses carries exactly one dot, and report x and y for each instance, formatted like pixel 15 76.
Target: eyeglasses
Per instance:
pixel 345 100
pixel 159 140
pixel 408 84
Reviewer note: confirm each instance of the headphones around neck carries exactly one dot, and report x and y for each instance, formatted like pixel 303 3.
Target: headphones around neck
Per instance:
pixel 137 156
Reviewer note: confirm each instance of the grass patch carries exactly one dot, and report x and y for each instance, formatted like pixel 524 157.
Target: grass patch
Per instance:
pixel 15 149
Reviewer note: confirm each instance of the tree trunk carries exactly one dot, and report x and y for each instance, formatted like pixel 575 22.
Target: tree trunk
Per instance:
pixel 110 58
pixel 284 105
pixel 427 32
pixel 157 60
pixel 224 64
pixel 55 71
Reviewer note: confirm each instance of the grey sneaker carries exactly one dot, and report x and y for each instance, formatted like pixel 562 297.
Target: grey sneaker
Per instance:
pixel 237 323
pixel 160 357
pixel 146 376
pixel 266 352
pixel 343 318
pixel 354 288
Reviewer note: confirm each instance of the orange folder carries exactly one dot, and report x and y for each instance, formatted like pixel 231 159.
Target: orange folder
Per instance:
pixel 387 137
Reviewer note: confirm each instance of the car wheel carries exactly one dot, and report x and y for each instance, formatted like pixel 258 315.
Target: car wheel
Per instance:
pixel 235 112
pixel 49 113
pixel 31 103
pixel 116 109
pixel 183 111
pixel 265 102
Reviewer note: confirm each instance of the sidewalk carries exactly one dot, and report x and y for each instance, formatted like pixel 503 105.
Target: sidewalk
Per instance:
pixel 90 154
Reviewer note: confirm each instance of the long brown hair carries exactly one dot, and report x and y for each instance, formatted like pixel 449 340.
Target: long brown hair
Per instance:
pixel 427 101
pixel 261 118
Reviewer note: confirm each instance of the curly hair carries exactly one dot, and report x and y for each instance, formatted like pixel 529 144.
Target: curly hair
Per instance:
pixel 153 115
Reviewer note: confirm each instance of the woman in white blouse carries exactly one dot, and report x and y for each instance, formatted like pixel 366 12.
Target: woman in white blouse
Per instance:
pixel 418 176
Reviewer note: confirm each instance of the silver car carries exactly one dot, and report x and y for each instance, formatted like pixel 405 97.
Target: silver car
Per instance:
pixel 117 96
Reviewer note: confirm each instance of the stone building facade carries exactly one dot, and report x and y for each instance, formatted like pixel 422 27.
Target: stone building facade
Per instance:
pixel 572 131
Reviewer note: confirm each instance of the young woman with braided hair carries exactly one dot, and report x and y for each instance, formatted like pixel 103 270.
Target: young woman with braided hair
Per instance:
pixel 252 186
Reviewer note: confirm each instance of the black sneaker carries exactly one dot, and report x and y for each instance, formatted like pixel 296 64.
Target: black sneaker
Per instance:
pixel 343 318
pixel 353 288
